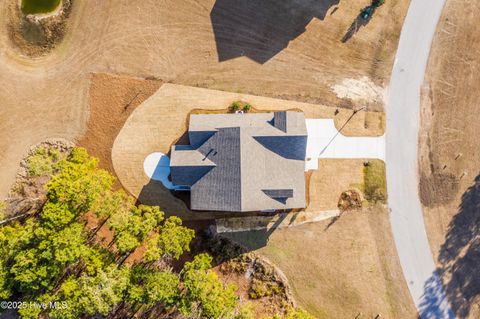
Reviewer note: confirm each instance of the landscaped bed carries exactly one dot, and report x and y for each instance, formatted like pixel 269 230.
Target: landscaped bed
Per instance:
pixel 39 6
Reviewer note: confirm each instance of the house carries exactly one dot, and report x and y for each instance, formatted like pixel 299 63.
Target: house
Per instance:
pixel 243 162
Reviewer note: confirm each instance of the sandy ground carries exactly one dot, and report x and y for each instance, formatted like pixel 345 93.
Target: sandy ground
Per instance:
pixel 450 157
pixel 345 270
pixel 112 99
pixel 143 134
pixel 176 41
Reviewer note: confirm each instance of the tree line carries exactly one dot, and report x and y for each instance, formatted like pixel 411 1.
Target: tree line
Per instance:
pixel 54 257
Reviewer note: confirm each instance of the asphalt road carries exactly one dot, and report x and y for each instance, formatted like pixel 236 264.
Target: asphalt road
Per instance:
pixel 403 108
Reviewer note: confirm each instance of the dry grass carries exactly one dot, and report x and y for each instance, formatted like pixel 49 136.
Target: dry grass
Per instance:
pixel 449 154
pixel 48 96
pixel 332 178
pixel 351 268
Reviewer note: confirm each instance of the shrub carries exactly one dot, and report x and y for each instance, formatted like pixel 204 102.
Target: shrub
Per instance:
pixel 2 210
pixel 235 106
pixel 261 288
pixel 377 3
pixel 43 161
pixel 247 107
pixel 246 311
pixel 298 314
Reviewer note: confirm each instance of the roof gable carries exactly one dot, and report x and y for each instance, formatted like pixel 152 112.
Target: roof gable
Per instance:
pixel 250 162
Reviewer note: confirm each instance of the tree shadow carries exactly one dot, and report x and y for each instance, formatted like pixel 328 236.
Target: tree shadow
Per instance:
pixel 459 257
pixel 261 29
pixel 434 301
pixel 356 25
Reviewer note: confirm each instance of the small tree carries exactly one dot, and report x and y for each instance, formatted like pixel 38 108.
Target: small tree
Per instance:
pixel 148 286
pixel 203 290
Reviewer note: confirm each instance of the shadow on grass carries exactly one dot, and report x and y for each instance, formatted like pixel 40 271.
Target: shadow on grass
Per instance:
pixel 261 29
pixel 257 238
pixel 459 261
pixel 176 203
pixel 356 25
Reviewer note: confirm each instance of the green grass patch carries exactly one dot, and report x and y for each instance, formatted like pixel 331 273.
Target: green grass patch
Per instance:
pixel 39 6
pixel 43 161
pixel 375 183
pixel 2 210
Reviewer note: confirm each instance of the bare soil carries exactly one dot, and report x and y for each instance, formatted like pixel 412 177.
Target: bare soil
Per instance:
pixel 299 44
pixel 449 155
pixel 112 99
pixel 250 271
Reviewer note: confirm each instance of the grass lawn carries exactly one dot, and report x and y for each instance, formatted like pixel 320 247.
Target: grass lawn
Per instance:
pixel 341 270
pixel 39 6
pixel 375 181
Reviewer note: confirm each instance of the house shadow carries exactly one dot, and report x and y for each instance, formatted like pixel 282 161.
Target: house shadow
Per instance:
pixel 459 260
pixel 356 25
pixel 226 246
pixel 258 236
pixel 261 29
pixel 176 203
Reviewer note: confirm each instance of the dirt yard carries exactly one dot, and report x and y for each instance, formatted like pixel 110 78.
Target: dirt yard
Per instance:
pixel 450 156
pixel 348 269
pixel 295 53
pixel 145 132
pixel 112 99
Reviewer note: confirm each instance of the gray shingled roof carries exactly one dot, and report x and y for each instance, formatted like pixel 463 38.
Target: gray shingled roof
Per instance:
pixel 243 162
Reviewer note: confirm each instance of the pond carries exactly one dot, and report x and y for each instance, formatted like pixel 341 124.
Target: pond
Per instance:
pixel 39 6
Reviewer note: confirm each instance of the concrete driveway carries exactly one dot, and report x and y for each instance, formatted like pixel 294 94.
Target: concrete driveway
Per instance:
pixel 401 156
pixel 325 141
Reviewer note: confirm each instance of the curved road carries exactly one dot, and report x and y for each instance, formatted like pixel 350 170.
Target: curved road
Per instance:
pixel 403 108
